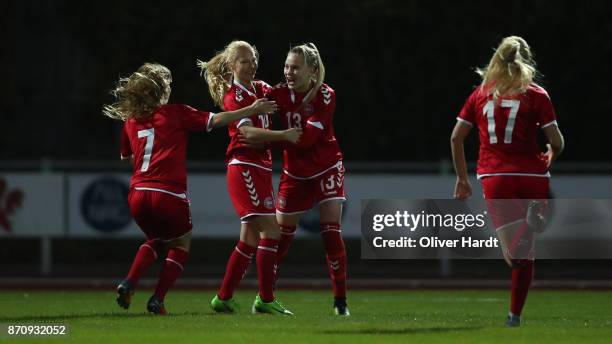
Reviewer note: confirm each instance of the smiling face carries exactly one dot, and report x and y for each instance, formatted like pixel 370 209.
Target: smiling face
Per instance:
pixel 297 73
pixel 244 65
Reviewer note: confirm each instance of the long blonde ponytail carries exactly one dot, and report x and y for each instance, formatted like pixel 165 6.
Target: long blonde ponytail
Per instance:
pixel 511 69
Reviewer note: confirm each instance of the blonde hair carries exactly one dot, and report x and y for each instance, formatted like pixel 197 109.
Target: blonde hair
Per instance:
pixel 140 93
pixel 217 71
pixel 511 69
pixel 312 59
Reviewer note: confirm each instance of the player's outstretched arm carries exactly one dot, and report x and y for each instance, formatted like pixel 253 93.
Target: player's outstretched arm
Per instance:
pixel 463 189
pixel 260 106
pixel 252 135
pixel 556 143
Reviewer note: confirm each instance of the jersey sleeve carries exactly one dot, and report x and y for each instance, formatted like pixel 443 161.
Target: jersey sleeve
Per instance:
pixel 125 150
pixel 192 119
pixel 546 112
pixel 320 120
pixel 468 112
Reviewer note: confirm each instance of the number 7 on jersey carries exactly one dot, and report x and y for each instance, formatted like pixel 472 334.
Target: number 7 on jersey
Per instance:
pixel 150 135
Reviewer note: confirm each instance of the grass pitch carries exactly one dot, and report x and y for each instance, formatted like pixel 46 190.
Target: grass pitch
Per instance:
pixel 471 316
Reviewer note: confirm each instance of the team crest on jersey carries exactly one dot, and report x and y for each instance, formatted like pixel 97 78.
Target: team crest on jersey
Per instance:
pixel 239 96
pixel 282 202
pixel 269 203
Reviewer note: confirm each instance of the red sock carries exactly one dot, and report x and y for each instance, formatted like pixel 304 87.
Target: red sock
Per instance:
pixel 237 265
pixel 173 266
pixel 521 280
pixel 336 257
pixel 145 257
pixel 266 268
pixel 287 235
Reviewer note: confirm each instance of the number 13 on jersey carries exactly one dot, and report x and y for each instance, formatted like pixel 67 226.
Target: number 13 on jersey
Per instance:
pixel 489 111
pixel 294 120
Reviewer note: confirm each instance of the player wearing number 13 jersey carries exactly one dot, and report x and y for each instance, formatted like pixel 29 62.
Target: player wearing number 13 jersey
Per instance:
pixel 509 109
pixel 312 172
pixel 155 139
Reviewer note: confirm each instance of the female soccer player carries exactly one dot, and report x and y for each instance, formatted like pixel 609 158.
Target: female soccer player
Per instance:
pixel 230 76
pixel 508 108
pixel 312 172
pixel 154 139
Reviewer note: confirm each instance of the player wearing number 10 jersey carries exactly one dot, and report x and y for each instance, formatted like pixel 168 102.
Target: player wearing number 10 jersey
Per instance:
pixel 155 139
pixel 508 109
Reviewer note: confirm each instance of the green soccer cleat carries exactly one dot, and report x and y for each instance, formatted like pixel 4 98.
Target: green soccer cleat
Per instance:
pixel 224 306
pixel 273 307
pixel 125 291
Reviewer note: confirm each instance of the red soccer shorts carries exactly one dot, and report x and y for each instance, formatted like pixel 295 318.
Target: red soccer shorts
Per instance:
pixel 250 189
pixel 299 195
pixel 507 197
pixel 160 215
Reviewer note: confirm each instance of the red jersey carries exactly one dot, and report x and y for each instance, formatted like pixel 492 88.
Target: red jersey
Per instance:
pixel 508 130
pixel 317 151
pixel 237 98
pixel 158 144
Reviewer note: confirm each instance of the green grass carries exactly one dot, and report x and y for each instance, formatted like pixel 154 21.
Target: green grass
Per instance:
pixel 472 316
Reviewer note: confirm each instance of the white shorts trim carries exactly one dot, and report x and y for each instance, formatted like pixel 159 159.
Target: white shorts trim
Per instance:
pixel 549 124
pixel 255 214
pixel 343 199
pixel 181 195
pixel 292 213
pixel 546 175
pixel 336 165
pixel 459 119
pixel 238 162
pixel 509 224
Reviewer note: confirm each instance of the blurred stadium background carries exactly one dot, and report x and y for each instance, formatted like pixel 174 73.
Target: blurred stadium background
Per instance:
pixel 401 71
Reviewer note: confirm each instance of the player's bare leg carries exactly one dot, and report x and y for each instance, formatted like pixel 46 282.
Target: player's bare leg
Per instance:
pixel 330 218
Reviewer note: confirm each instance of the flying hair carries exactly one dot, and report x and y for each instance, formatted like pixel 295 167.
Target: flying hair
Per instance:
pixel 218 70
pixel 138 95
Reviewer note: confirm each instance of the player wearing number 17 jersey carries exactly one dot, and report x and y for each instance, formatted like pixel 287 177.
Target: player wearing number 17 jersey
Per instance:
pixel 155 139
pixel 509 109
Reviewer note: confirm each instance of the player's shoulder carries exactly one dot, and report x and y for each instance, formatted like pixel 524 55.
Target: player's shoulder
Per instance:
pixel 537 90
pixel 326 95
pixel 279 90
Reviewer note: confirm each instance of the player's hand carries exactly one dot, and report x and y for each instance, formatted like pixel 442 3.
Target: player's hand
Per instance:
pixel 463 189
pixel 293 135
pixel 548 156
pixel 262 105
pixel 250 143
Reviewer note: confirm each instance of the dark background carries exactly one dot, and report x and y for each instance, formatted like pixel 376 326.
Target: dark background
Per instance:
pixel 401 69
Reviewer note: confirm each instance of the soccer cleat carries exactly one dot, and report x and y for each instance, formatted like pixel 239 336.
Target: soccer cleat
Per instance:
pixel 273 307
pixel 513 321
pixel 340 308
pixel 224 306
pixel 125 290
pixel 156 306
